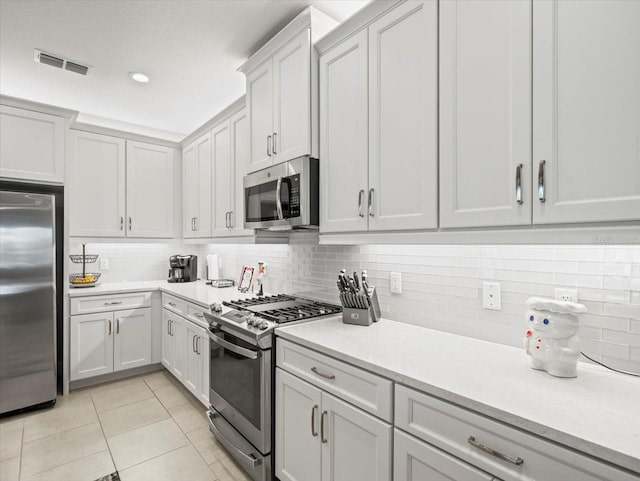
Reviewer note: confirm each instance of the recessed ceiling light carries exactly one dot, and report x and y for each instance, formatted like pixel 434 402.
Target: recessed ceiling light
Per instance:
pixel 139 77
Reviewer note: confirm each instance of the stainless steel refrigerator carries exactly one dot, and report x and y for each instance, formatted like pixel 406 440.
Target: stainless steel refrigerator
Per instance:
pixel 29 295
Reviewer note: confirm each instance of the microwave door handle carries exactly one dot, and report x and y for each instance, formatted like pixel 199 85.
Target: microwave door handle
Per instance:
pixel 278 200
pixel 248 353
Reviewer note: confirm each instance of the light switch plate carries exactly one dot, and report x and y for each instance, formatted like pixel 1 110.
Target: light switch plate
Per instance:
pixel 395 282
pixel 564 294
pixel 491 298
pixel 104 264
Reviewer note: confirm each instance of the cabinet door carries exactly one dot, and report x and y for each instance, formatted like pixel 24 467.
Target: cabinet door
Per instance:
pixel 222 178
pixel 202 349
pixel 403 118
pixel 32 146
pixel 204 153
pixel 415 460
pixel 149 190
pixel 168 341
pixel 96 185
pixel 260 111
pixel 292 99
pixel 193 367
pixel 343 136
pixel 485 113
pixel 190 189
pixel 179 333
pixel 356 445
pixel 132 339
pixel 586 112
pixel 297 429
pixel 91 349
pixel 240 155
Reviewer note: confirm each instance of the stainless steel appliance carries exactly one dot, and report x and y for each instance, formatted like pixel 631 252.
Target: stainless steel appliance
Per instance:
pixel 242 369
pixel 283 197
pixel 30 294
pixel 183 268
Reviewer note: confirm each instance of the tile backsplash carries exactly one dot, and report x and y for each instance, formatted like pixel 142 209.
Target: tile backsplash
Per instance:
pixel 441 285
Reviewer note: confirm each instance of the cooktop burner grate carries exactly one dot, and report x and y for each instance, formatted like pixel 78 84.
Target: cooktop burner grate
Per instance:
pixel 283 308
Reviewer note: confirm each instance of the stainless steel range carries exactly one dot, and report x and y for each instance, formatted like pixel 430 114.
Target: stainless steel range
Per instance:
pixel 241 372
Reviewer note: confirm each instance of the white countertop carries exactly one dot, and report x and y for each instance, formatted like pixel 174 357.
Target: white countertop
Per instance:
pixel 597 413
pixel 197 292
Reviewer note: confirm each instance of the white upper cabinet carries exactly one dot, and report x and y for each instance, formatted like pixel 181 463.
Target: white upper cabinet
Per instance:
pixel 586 111
pixel 378 125
pixel 240 154
pixel 96 185
pixel 196 181
pixel 485 113
pixel 222 178
pixel 31 146
pixel 282 93
pixel 403 118
pixel 292 99
pixel 260 108
pixel 344 161
pixel 150 193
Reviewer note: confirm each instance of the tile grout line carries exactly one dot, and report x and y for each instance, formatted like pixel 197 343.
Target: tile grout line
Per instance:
pixel 21 449
pixel 113 461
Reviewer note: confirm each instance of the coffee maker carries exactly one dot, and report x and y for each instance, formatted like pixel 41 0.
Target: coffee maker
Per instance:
pixel 183 268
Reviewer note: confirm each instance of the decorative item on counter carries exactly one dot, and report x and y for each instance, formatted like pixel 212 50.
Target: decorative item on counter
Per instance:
pixel 221 283
pixel 359 301
pixel 259 281
pixel 85 279
pixel 246 278
pixel 551 340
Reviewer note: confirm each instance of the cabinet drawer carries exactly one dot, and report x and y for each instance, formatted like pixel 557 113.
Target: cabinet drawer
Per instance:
pixel 367 391
pixel 174 304
pixel 88 305
pixel 195 313
pixel 453 429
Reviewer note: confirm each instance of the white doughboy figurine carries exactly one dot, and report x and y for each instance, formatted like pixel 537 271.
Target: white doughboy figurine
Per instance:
pixel 551 339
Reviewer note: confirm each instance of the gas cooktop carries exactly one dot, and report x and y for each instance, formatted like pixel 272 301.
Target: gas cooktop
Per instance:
pixel 283 308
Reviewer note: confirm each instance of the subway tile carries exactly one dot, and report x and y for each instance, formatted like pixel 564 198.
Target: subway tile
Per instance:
pixel 625 338
pixel 621 310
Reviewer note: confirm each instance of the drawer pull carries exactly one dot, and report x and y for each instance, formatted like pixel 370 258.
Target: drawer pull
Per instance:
pixel 314 431
pixel 517 461
pixel 322 374
pixel 115 303
pixel 198 314
pixel 172 304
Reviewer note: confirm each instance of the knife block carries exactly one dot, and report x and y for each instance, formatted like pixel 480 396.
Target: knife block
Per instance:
pixel 363 317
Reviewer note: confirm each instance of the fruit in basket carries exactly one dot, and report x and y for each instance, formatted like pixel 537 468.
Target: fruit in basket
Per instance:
pixel 87 279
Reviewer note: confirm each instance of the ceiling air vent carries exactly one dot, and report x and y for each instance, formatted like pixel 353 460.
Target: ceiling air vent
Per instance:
pixel 60 62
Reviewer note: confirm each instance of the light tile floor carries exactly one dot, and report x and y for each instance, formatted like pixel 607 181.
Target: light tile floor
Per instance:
pixel 147 427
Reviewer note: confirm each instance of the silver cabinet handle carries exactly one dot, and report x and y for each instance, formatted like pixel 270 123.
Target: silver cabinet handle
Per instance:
pixel 171 304
pixel 322 417
pixel 130 223
pixel 269 145
pixel 322 374
pixel 117 326
pixel 197 345
pixel 517 461
pixel 371 202
pixel 273 149
pixel 114 303
pixel 541 196
pixel 195 223
pixel 172 331
pixel 230 219
pixel 519 184
pixel 314 431
pixel 278 200
pixel 109 327
pixel 193 343
pixel 168 327
pixel 226 220
pixel 360 197
pixel 121 223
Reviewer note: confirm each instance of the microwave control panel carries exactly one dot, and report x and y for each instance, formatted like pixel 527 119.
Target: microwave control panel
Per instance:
pixel 294 196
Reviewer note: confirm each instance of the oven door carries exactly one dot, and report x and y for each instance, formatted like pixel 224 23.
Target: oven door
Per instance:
pixel 240 386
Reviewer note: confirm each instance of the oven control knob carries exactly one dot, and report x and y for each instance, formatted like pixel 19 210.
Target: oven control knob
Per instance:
pixel 251 320
pixel 263 325
pixel 216 307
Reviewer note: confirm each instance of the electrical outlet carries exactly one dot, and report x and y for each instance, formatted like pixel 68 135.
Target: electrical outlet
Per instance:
pixel 104 264
pixel 395 282
pixel 491 298
pixel 564 294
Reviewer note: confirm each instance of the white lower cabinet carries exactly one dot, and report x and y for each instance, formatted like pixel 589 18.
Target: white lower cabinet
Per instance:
pixel 185 351
pixel 415 460
pixel 107 342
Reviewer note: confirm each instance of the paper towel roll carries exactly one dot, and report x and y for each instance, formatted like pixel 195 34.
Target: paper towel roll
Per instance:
pixel 213 267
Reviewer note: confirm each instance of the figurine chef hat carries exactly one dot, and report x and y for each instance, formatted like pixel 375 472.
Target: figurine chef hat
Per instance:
pixel 552 305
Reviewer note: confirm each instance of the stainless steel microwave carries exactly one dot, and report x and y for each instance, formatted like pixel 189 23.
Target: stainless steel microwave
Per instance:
pixel 283 197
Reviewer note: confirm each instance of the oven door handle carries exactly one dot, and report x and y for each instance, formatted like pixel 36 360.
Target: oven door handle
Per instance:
pixel 244 457
pixel 278 200
pixel 233 348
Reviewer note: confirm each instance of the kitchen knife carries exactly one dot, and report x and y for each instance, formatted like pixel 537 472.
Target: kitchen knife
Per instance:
pixel 356 280
pixel 352 285
pixel 365 285
pixel 343 279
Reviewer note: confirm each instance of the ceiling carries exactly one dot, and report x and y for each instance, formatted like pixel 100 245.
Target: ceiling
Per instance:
pixel 190 49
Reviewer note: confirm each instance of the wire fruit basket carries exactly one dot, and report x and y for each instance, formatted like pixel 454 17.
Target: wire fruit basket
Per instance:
pixel 84 279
